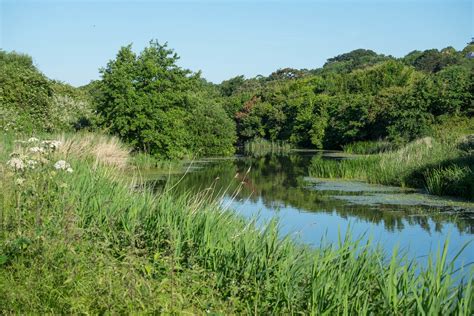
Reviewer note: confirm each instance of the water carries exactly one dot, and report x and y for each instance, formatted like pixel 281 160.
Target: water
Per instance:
pixel 316 210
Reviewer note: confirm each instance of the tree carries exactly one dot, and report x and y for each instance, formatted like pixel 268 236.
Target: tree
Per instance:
pixel 212 131
pixel 452 91
pixel 145 99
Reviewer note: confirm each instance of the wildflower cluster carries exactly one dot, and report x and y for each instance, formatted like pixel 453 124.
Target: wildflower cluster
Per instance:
pixel 63 165
pixel 33 153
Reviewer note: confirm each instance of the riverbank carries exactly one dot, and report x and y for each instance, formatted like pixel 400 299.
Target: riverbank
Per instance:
pixel 77 236
pixel 441 168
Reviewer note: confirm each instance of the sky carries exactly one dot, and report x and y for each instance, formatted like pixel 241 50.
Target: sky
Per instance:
pixel 71 40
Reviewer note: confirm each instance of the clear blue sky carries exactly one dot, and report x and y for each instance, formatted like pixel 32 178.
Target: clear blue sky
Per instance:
pixel 71 40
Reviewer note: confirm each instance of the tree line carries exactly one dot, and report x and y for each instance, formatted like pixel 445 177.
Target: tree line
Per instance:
pixel 165 110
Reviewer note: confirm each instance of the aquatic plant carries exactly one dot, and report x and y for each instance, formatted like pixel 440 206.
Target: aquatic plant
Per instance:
pixel 260 147
pixel 369 147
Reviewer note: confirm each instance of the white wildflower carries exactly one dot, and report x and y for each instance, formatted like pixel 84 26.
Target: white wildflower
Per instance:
pixel 19 181
pixel 32 163
pixel 36 149
pixel 33 140
pixel 16 164
pixel 62 165
pixel 69 170
pixel 53 144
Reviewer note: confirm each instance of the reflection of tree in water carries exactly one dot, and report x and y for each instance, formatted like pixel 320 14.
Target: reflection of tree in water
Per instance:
pixel 279 182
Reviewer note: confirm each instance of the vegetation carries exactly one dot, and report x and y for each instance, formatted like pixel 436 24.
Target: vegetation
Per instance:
pixel 369 147
pixel 440 168
pixel 160 108
pixel 262 147
pixel 78 236
pixel 379 99
pixel 30 102
pixel 167 253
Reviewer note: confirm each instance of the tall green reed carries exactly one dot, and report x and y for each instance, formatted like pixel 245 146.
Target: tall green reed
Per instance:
pixel 261 147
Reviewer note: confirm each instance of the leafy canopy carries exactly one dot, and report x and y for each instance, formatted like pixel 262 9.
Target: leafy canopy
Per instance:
pixel 153 104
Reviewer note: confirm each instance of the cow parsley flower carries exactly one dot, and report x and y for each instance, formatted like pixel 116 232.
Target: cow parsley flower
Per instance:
pixel 36 150
pixel 52 144
pixel 16 164
pixel 33 140
pixel 63 165
pixel 32 163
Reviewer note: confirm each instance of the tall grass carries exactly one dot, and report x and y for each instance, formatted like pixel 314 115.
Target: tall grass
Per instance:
pixel 450 180
pixel 261 147
pixel 89 242
pixel 440 168
pixel 369 147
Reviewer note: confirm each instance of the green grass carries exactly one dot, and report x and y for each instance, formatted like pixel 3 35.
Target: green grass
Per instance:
pixel 260 147
pixel 440 168
pixel 91 242
pixel 369 147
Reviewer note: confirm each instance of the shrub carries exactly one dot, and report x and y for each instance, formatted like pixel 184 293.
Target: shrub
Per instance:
pixel 25 95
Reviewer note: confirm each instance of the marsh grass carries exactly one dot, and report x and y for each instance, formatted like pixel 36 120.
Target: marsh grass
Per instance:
pixel 89 242
pixel 103 149
pixel 369 147
pixel 260 147
pixel 440 168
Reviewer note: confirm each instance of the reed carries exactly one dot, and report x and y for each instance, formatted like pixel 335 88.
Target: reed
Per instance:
pixel 91 242
pixel 369 147
pixel 261 147
pixel 440 168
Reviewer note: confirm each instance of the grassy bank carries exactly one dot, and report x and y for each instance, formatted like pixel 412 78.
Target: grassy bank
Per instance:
pixel 369 147
pixel 442 168
pixel 77 237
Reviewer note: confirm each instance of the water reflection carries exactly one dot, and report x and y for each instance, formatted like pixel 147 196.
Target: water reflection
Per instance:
pixel 279 186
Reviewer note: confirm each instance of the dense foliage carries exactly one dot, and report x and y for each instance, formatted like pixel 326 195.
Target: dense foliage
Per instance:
pixel 160 108
pixel 356 96
pixel 31 102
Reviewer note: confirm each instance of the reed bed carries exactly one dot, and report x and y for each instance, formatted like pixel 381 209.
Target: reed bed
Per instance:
pixel 439 168
pixel 90 242
pixel 369 147
pixel 261 147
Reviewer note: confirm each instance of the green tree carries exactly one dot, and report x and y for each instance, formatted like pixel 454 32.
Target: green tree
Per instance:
pixel 452 91
pixel 145 99
pixel 212 131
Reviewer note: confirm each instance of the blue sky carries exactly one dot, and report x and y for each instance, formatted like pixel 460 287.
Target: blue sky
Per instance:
pixel 71 40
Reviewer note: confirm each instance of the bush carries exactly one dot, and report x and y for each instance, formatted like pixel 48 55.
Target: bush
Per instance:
pixel 25 95
pixel 33 103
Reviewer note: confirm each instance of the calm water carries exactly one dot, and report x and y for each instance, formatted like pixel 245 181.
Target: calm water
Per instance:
pixel 313 210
